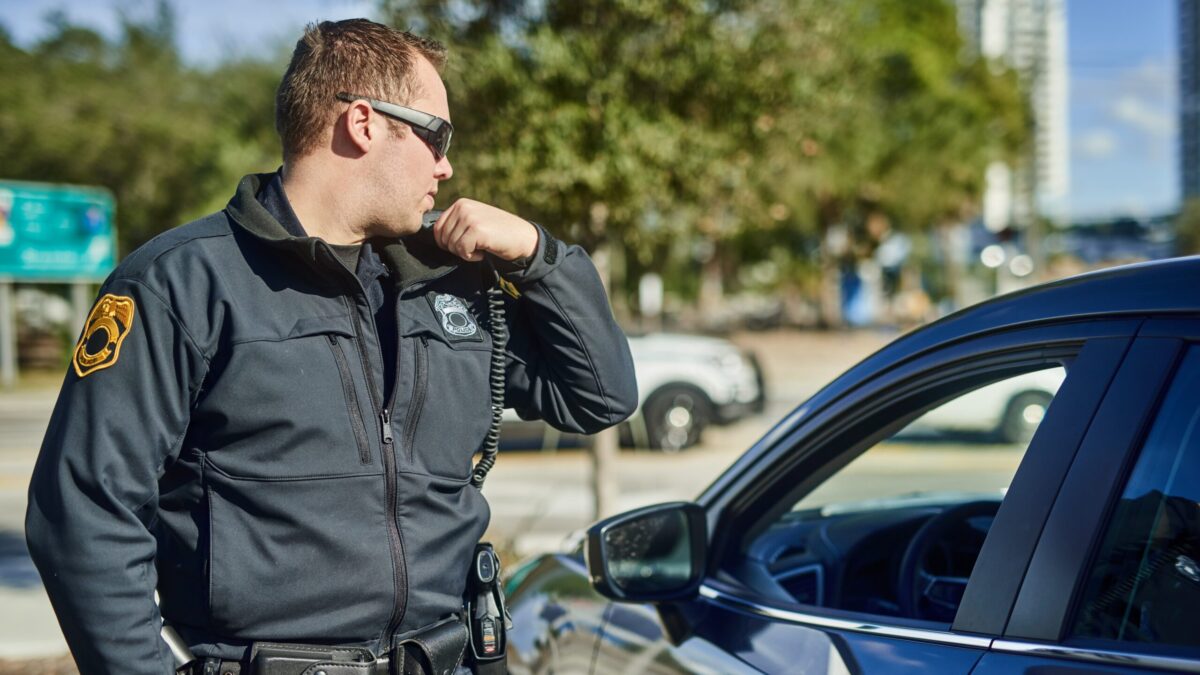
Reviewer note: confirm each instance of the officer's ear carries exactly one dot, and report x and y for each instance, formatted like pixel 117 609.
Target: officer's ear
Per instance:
pixel 360 125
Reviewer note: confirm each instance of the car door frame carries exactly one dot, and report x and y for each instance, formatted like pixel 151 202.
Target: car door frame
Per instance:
pixel 1096 347
pixel 1047 603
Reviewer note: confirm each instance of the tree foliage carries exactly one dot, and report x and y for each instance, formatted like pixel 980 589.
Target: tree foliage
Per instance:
pixel 1187 228
pixel 745 125
pixel 722 133
pixel 168 139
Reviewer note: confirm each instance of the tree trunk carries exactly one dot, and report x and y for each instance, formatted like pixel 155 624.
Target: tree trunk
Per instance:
pixel 605 489
pixel 604 444
pixel 829 293
pixel 712 288
pixel 954 267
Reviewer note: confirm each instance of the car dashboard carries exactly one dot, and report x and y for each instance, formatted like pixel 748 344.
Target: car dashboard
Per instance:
pixel 850 561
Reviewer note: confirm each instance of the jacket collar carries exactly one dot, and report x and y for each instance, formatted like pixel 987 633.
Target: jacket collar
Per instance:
pixel 413 259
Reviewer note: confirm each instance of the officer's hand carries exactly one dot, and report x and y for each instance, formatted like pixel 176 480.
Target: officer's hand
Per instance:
pixel 468 229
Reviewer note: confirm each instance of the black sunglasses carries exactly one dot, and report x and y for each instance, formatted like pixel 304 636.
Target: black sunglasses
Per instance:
pixel 430 128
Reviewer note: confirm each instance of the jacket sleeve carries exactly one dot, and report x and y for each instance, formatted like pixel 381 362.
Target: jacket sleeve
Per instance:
pixel 568 361
pixel 120 417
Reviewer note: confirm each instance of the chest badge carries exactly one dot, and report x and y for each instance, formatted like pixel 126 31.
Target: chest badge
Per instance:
pixel 456 319
pixel 103 332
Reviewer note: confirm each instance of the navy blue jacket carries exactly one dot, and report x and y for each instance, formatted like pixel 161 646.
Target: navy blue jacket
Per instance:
pixel 222 436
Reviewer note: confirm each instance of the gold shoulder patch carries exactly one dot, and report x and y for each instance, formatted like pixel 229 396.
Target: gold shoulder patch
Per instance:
pixel 103 332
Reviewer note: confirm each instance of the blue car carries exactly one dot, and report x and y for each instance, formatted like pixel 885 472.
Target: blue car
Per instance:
pixel 853 538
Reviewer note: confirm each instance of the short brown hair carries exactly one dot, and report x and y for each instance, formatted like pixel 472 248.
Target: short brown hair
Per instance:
pixel 357 56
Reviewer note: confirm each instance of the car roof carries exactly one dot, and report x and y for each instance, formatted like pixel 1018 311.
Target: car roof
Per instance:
pixel 1161 287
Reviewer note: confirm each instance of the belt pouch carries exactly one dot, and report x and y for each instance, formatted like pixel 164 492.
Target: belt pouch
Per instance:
pixel 270 658
pixel 437 650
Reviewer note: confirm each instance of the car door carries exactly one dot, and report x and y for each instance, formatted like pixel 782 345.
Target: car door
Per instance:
pixel 736 626
pixel 1114 585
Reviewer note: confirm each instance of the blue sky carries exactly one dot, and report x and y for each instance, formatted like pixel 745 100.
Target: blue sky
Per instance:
pixel 1121 55
pixel 1122 58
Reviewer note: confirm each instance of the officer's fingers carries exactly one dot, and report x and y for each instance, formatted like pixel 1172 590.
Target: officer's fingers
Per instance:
pixel 463 240
pixel 454 229
pixel 474 243
pixel 445 224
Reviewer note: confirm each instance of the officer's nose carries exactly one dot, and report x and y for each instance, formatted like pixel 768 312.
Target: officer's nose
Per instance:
pixel 443 170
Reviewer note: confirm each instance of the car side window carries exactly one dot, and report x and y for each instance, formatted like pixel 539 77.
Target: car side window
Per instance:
pixel 969 444
pixel 896 531
pixel 1144 585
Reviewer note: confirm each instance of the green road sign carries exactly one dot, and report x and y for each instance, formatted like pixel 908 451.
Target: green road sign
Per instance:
pixel 55 232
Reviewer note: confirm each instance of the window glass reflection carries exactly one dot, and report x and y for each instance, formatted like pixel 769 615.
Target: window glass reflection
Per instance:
pixel 1145 584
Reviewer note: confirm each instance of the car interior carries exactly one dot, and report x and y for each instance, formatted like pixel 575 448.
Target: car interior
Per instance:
pixel 896 528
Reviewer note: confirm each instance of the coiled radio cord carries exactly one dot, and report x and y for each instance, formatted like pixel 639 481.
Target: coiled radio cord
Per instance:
pixel 499 329
pixel 495 301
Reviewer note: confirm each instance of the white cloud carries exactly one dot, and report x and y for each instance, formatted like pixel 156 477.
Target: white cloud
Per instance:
pixel 1152 79
pixel 1150 117
pixel 1096 144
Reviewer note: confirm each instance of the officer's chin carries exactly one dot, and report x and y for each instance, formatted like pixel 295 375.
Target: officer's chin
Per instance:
pixel 397 229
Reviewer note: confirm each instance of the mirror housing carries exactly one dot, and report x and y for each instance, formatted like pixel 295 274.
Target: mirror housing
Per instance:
pixel 653 554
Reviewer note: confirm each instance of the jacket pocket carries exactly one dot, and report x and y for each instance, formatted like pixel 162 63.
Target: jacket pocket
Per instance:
pixel 352 406
pixel 289 408
pixel 447 374
pixel 296 559
pixel 416 402
pixel 450 408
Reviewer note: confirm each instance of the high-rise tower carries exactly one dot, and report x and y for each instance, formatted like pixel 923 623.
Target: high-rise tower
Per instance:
pixel 1189 97
pixel 1030 37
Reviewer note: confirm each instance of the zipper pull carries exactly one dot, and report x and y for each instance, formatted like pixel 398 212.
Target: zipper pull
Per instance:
pixel 386 418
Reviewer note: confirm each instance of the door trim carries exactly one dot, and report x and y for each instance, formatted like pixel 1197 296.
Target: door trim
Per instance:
pixel 739 604
pixel 1105 656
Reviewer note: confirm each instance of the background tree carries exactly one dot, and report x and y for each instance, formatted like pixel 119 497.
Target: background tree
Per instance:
pixel 695 132
pixel 1187 228
pixel 168 139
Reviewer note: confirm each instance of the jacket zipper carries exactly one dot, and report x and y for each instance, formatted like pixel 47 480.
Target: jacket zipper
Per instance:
pixel 356 420
pixel 395 538
pixel 417 403
pixel 401 606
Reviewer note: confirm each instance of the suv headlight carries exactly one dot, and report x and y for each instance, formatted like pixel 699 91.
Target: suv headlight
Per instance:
pixel 730 362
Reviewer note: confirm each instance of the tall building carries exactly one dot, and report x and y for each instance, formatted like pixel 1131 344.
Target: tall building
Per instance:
pixel 1029 36
pixel 1189 97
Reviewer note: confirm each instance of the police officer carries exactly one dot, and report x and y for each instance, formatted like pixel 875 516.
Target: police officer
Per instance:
pixel 271 413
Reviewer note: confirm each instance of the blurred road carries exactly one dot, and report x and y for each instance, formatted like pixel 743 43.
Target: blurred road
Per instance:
pixel 537 498
pixel 28 627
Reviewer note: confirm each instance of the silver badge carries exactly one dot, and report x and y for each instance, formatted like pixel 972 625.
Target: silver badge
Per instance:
pixel 456 320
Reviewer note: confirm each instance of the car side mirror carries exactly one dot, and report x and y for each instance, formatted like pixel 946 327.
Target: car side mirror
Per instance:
pixel 653 554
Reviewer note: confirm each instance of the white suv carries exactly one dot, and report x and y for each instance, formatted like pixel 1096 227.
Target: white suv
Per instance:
pixel 685 382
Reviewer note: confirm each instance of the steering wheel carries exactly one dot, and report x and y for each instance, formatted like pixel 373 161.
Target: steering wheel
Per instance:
pixel 921 594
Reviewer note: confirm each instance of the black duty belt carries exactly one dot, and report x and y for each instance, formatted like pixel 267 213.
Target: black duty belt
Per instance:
pixel 437 650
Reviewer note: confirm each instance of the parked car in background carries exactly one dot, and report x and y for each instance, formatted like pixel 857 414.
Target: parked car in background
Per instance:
pixel 685 383
pixel 827 548
pixel 1008 411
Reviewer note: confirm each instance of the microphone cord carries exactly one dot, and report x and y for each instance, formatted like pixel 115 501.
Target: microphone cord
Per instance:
pixel 499 329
